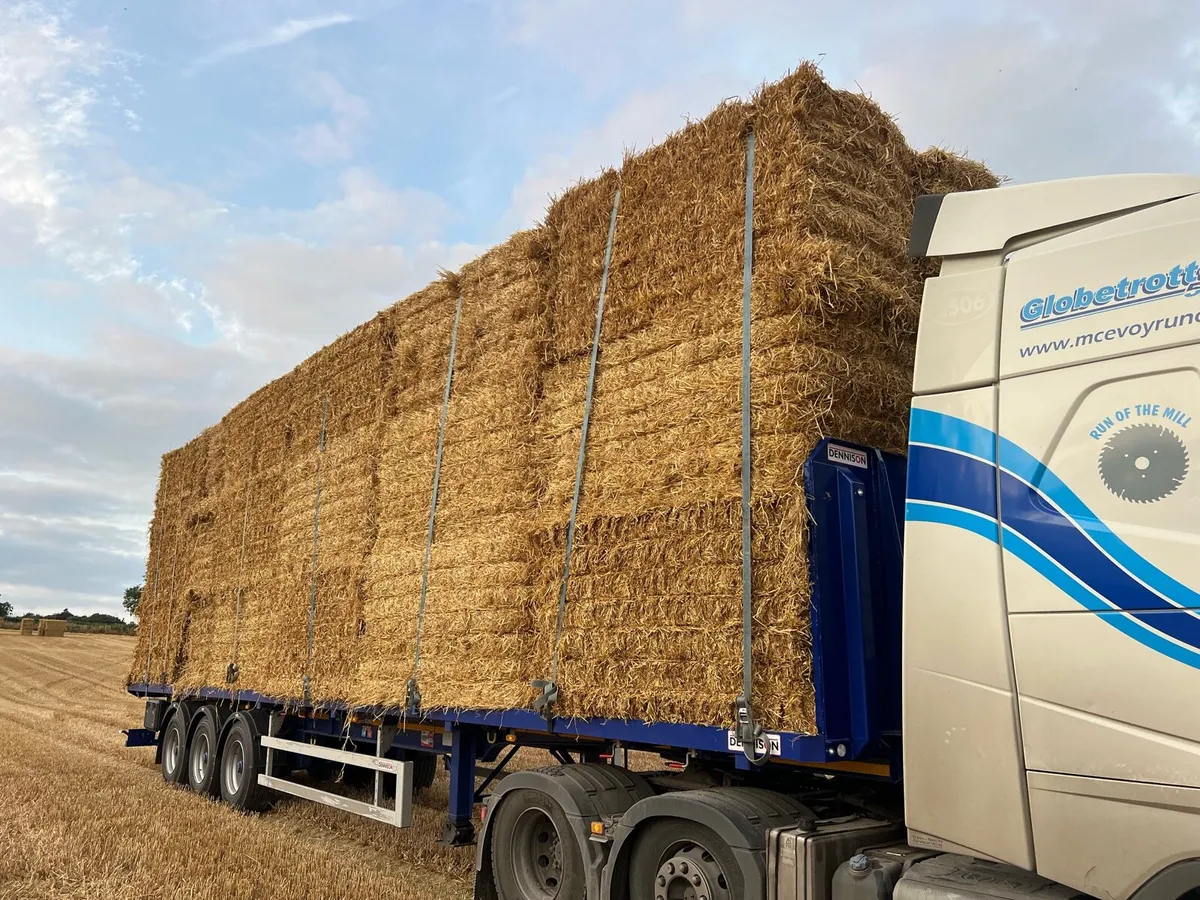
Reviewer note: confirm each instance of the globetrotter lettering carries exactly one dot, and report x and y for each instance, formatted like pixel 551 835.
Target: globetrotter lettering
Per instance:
pixel 1180 280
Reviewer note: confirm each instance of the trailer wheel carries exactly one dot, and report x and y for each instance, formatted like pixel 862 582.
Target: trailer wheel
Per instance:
pixel 242 759
pixel 424 770
pixel 202 757
pixel 677 858
pixel 174 750
pixel 534 853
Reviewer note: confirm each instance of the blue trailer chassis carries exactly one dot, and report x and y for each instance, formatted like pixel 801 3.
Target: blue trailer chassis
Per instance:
pixel 856 500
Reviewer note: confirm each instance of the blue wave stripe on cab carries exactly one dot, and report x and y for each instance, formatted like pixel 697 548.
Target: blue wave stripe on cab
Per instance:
pixel 917 511
pixel 929 427
pixel 1023 511
pixel 940 430
pixel 1026 467
pixel 1052 572
pixel 941 476
pixel 1020 547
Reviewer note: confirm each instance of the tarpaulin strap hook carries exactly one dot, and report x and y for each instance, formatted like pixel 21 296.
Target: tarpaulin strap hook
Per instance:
pixel 312 586
pixel 549 688
pixel 412 693
pixel 747 730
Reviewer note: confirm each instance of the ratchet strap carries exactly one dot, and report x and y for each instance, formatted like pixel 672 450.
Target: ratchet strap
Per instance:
pixel 746 729
pixel 549 688
pixel 312 586
pixel 412 693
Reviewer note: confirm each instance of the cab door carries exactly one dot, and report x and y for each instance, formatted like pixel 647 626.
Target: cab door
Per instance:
pixel 1098 442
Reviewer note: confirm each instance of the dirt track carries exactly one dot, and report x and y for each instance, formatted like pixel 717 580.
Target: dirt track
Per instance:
pixel 81 816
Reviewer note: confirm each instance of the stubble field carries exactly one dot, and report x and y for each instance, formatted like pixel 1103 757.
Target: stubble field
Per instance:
pixel 82 816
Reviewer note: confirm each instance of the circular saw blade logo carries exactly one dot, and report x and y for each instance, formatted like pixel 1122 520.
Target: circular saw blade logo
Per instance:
pixel 1143 463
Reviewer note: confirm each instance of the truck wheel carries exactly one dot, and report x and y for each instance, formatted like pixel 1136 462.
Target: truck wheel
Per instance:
pixel 534 853
pixel 242 759
pixel 424 770
pixel 677 858
pixel 174 750
pixel 202 757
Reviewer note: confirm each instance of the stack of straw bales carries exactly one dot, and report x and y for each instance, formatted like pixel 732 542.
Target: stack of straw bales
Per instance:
pixel 28 626
pixel 51 627
pixel 653 617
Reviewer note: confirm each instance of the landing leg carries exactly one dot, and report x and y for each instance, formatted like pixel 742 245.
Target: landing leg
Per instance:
pixel 460 827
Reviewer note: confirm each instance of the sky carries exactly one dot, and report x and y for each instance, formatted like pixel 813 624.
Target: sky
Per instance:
pixel 195 196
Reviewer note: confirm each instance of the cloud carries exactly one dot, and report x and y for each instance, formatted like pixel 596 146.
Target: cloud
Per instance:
pixel 289 297
pixel 987 88
pixel 335 141
pixel 368 212
pixel 283 33
pixel 153 306
pixel 47 91
pixel 148 293
pixel 642 119
pixel 1039 91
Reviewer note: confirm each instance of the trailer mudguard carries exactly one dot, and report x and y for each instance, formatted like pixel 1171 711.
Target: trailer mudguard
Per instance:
pixel 587 792
pixel 257 719
pixel 209 710
pixel 741 817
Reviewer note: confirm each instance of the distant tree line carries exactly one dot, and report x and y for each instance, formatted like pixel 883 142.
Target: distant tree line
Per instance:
pixel 92 621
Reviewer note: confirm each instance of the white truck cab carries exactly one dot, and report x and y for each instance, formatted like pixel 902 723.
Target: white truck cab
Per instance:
pixel 1052 543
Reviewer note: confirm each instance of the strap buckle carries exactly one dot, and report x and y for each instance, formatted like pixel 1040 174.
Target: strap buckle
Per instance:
pixel 547 698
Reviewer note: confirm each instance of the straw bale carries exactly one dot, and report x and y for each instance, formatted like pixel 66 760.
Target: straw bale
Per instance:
pixel 835 314
pixel 479 597
pixel 419 330
pixel 256 534
pixel 179 554
pixel 941 171
pixel 653 622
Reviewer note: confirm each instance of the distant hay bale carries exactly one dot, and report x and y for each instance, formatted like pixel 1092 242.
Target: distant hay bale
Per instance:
pixel 28 626
pixel 653 620
pixel 51 628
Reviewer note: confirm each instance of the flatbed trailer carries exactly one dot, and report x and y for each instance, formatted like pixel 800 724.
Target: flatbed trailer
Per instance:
pixel 856 501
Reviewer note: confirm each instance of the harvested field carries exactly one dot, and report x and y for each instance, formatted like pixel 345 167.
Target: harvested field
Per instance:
pixel 85 817
pixel 298 539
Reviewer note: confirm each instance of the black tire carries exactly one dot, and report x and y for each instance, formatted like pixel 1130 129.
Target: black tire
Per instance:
pixel 242 761
pixel 535 855
pixel 675 850
pixel 202 757
pixel 424 770
pixel 173 761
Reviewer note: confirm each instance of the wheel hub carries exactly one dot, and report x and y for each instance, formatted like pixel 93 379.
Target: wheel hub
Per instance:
pixel 539 856
pixel 235 761
pixel 200 758
pixel 690 874
pixel 172 750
